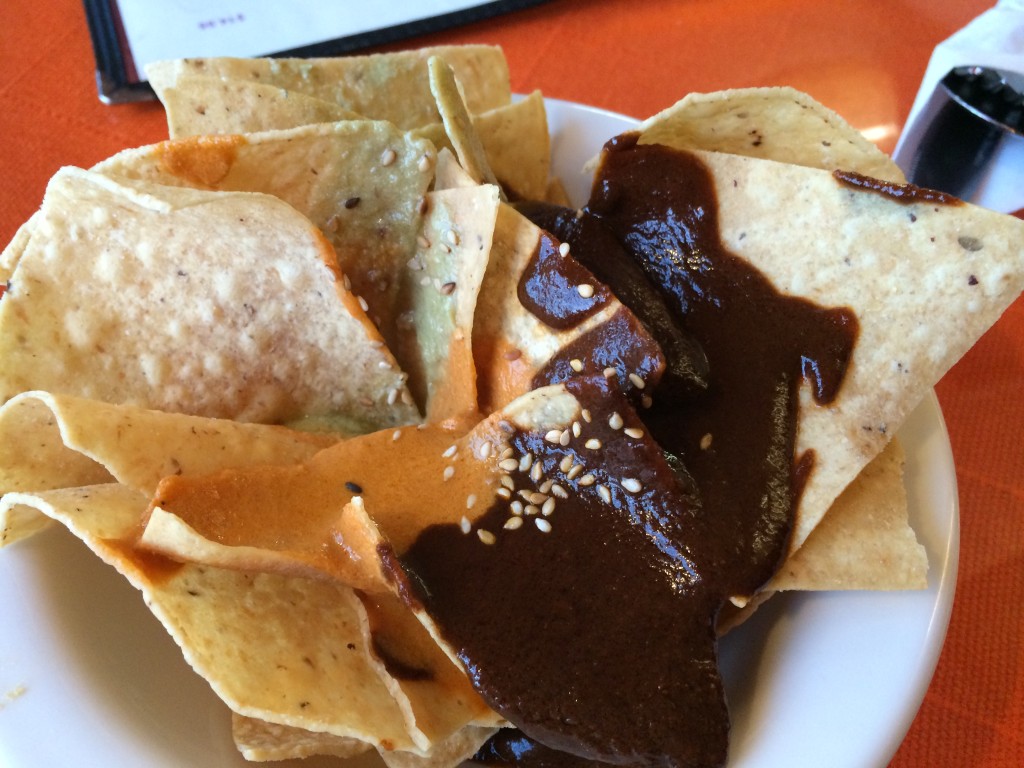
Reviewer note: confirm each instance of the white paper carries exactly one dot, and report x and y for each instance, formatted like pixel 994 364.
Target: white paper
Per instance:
pixel 171 29
pixel 993 39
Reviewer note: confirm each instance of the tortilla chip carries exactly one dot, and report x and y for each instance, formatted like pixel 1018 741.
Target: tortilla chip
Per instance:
pixel 215 304
pixel 260 741
pixel 453 751
pixel 361 183
pixel 924 280
pixel 199 105
pixel 780 124
pixel 383 86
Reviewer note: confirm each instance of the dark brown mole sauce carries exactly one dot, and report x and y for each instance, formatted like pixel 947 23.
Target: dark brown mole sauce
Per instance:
pixel 550 288
pixel 597 637
pixel 900 193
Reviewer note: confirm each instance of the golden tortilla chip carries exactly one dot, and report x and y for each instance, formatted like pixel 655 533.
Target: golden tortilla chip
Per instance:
pixel 216 304
pixel 260 741
pixel 780 124
pixel 383 86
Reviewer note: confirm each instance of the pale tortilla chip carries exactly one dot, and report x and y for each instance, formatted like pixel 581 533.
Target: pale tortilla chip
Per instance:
pixel 453 751
pixel 925 281
pixel 388 86
pixel 780 124
pixel 362 183
pixel 215 304
pixel 198 105
pixel 260 741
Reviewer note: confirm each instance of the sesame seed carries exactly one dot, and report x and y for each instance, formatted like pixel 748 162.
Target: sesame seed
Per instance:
pixel 605 494
pixel 559 491
pixel 423 243
pixel 574 471
pixel 593 444
pixel 577 430
pixel 545 487
pixel 332 224
pixel 448 288
pixel 484 451
pixel 448 473
pixel 396 434
pixel 351 202
pixel 576 364
pixel 346 282
pixel 392 396
pixel 449 451
pixel 525 494
pixel 525 462
pixel 388 156
pixel 407 397
pixel 508 482
pixel 384 365
pixel 451 236
pixel 505 493
pixel 536 497
pixel 531 510
pixel 424 163
pixel 637 381
pixel 362 304
pixel 587 479
pixel 509 465
pixel 485 536
pixel 634 432
pixel 353 487
pixel 516 507
pixel 586 290
pixel 705 442
pixel 537 472
pixel 542 525
pixel 631 484
pixel 609 372
pixel 547 507
pixel 563 439
pixel 465 525
pixel 585 413
pixel 615 421
pixel 508 452
pixel 553 436
pixel 470 501
pixel 563 249
pixel 566 463
pixel 513 523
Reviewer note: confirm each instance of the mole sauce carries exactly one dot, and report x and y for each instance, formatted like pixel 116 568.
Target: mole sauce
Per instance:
pixel 597 638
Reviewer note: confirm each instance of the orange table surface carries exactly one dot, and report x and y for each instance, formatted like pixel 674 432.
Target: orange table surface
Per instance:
pixel 863 58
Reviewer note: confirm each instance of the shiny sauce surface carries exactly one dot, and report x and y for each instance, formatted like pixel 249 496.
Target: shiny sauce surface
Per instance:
pixel 596 638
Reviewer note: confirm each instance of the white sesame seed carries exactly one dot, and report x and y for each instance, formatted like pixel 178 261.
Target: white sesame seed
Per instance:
pixel 516 507
pixel 585 413
pixel 396 434
pixel 525 462
pixel 346 282
pixel 587 479
pixel 593 444
pixel 574 471
pixel 634 432
pixel 637 381
pixel 566 463
pixel 586 290
pixel 448 473
pixel 631 484
pixel 577 430
pixel 705 442
pixel 505 493
pixel 542 525
pixel 449 451
pixel 615 421
pixel 507 453
pixel 470 501
pixel 563 439
pixel 576 364
pixel 545 487
pixel 547 507
pixel 485 536
pixel 362 304
pixel 451 236
pixel 508 482
pixel 513 523
pixel 537 472
pixel 609 372
pixel 536 497
pixel 425 163
pixel 525 494
pixel 388 156
pixel 563 249
pixel 484 451
pixel 604 493
pixel 553 436
pixel 509 465
pixel 559 491
pixel 448 288
pixel 423 243
pixel 392 396
pixel 465 525
pixel 531 510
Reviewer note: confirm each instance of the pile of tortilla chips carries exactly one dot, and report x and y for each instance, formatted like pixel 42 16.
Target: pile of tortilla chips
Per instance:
pixel 318 273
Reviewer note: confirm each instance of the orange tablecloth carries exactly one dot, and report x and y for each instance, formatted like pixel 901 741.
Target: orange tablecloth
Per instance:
pixel 863 58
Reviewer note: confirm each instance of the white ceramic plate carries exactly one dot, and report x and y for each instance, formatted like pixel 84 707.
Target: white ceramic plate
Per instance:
pixel 89 678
